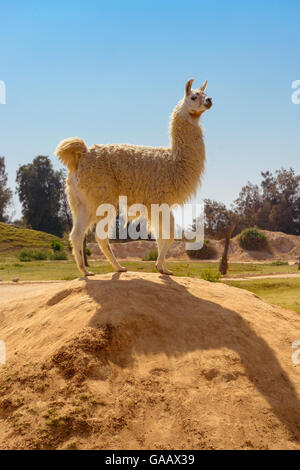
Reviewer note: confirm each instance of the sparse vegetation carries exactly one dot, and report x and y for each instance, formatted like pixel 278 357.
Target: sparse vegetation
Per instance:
pixel 84 397
pixel 278 262
pixel 210 275
pixel 29 255
pixel 59 255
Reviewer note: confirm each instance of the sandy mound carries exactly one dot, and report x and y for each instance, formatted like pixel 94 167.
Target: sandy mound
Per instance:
pixel 146 361
pixel 282 246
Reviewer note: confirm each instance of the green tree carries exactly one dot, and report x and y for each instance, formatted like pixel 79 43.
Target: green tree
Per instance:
pixel 40 187
pixel 247 205
pixel 217 218
pixel 273 205
pixel 65 211
pixel 5 192
pixel 280 209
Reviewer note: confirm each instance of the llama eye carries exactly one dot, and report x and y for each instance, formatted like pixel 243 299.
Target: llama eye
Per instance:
pixel 193 98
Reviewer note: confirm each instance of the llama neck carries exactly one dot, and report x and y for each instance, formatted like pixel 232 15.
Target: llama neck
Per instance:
pixel 188 151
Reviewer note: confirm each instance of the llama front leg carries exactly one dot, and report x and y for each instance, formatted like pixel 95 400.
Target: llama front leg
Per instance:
pixel 160 263
pixel 107 251
pixel 160 244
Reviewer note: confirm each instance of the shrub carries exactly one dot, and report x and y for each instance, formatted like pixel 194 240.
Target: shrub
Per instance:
pixel 210 275
pixel 253 239
pixel 58 251
pixel 151 255
pixel 40 255
pixel 88 251
pixel 56 245
pixel 208 251
pixel 59 255
pixel 29 255
pixel 25 255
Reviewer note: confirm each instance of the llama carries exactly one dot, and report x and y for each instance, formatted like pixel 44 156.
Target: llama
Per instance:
pixel 146 175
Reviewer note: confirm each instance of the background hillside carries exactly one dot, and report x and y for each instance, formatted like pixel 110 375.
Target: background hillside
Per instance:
pixel 15 238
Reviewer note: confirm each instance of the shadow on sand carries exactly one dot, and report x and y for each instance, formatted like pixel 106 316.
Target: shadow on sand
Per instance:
pixel 146 312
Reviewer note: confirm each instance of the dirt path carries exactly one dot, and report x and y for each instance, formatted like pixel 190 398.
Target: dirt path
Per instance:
pixel 13 291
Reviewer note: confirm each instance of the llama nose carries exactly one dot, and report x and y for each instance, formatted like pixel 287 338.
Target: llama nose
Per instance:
pixel 208 102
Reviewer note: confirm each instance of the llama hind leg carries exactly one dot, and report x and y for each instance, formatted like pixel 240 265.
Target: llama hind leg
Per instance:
pixel 163 246
pixel 82 222
pixel 107 251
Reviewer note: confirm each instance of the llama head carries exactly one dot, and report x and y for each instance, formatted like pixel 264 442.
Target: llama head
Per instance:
pixel 196 101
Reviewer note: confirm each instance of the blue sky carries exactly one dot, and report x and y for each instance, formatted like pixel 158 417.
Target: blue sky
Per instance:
pixel 113 71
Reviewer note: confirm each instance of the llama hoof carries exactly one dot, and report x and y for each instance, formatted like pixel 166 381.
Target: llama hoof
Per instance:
pixel 169 273
pixel 122 269
pixel 89 274
pixel 164 271
pixel 160 270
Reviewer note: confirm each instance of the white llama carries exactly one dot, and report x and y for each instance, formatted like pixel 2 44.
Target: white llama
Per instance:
pixel 146 175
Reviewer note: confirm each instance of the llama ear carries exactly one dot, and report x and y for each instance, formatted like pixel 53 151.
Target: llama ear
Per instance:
pixel 188 87
pixel 203 87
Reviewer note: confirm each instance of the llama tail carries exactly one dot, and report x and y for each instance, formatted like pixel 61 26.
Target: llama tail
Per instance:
pixel 70 150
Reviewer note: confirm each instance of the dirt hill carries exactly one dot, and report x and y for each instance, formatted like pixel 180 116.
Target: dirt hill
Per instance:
pixel 282 246
pixel 146 361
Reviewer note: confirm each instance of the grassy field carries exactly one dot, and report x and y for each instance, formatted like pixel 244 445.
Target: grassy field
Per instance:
pixel 279 291
pixel 10 267
pixel 282 292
